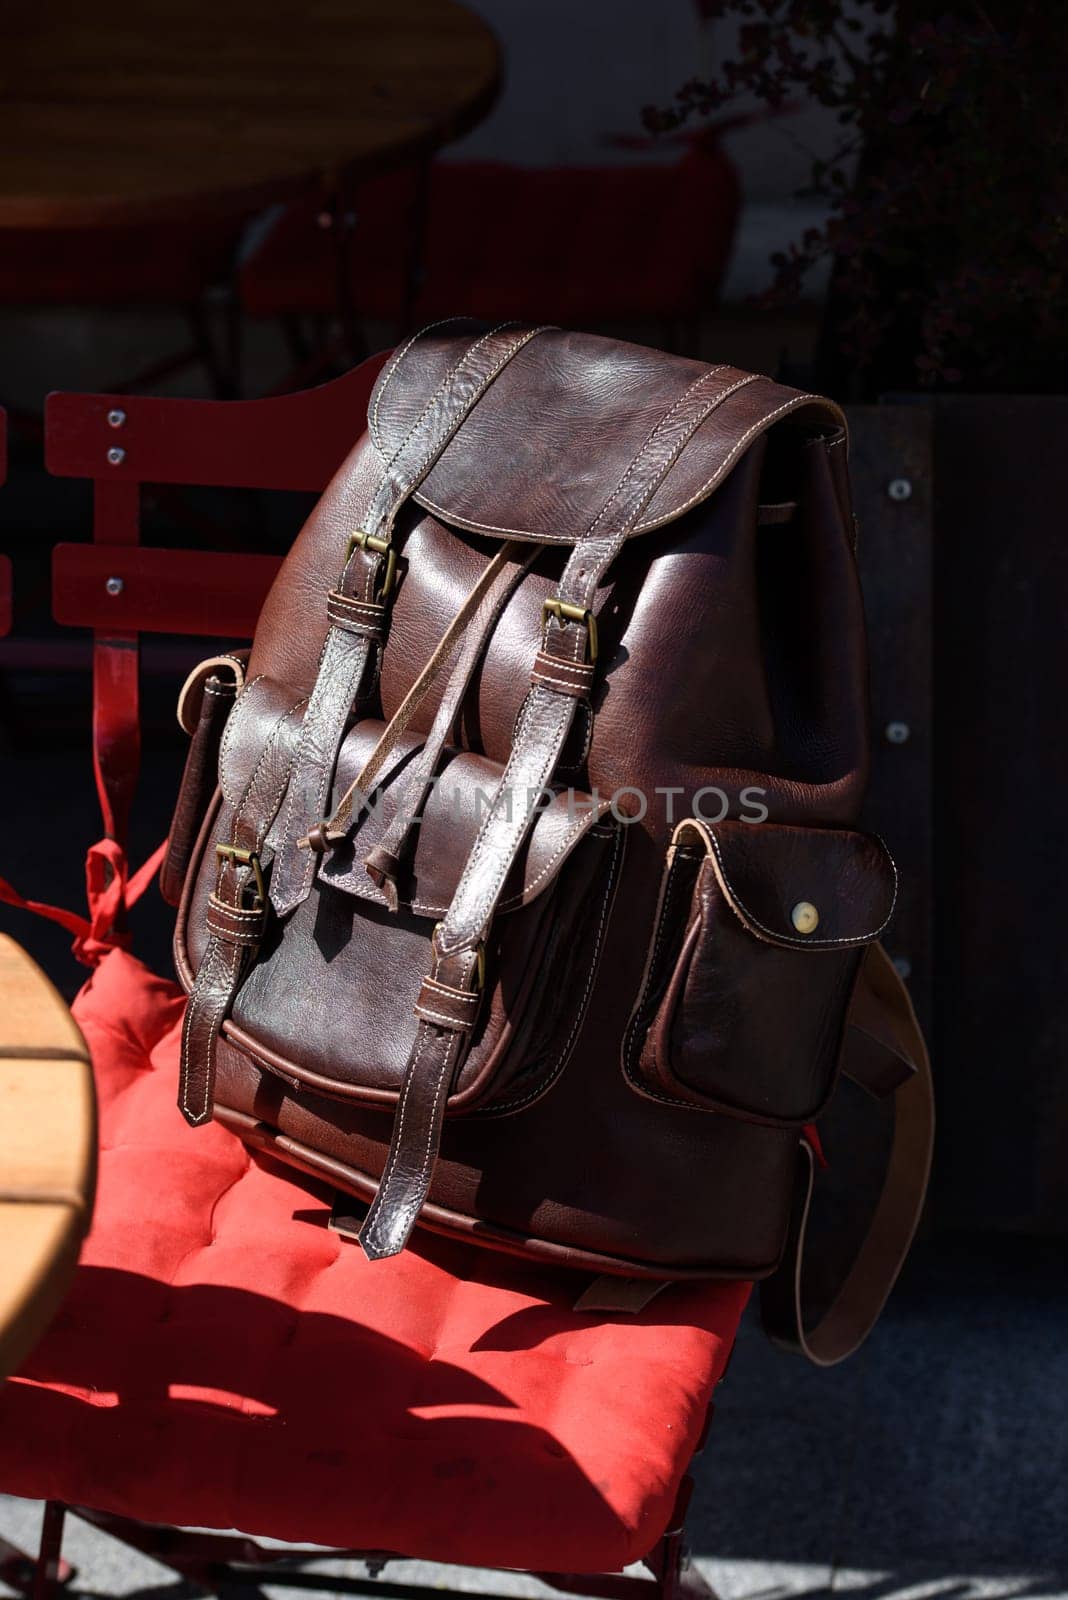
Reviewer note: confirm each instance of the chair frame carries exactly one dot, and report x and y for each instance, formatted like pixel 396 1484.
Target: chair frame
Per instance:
pixel 121 589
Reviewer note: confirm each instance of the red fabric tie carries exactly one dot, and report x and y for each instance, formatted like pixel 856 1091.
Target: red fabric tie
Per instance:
pixel 109 890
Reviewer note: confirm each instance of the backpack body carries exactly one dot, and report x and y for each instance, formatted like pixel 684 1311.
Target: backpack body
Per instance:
pixel 658 1001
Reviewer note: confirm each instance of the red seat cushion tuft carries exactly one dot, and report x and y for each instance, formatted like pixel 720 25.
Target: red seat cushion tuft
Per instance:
pixel 224 1360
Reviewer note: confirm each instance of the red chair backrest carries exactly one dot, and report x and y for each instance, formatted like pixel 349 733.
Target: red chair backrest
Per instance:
pixel 121 589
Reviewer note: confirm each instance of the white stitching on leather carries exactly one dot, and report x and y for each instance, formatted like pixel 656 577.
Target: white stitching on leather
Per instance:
pixel 385 380
pixel 271 741
pixel 472 526
pixel 725 465
pixel 357 647
pixel 230 731
pixel 446 989
pixel 567 684
pixel 630 1038
pixel 580 1015
pixel 565 849
pixel 236 956
pixel 452 1023
pixel 394 1154
pixel 415 1203
pixel 741 910
pixel 215 951
pixel 231 911
pixel 503 863
pixel 653 471
pixel 344 602
pixel 650 439
pixel 581 670
pixel 450 373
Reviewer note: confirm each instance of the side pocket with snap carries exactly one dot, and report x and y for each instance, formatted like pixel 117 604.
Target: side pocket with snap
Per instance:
pixel 759 934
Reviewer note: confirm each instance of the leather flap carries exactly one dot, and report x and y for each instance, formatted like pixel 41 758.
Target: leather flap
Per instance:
pixel 445 833
pixel 543 448
pixel 810 888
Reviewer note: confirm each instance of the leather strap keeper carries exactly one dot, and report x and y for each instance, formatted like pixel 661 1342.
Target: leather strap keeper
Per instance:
pixel 365 617
pixel 237 925
pixel 382 866
pixel 574 678
pixel 446 1007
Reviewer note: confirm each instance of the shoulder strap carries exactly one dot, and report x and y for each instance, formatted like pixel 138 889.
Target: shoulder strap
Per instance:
pixel 358 606
pixel 884 1052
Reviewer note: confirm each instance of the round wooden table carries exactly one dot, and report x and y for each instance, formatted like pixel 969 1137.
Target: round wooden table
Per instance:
pixel 113 112
pixel 47 1152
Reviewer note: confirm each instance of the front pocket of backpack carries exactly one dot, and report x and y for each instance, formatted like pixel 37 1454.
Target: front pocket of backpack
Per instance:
pixel 759 934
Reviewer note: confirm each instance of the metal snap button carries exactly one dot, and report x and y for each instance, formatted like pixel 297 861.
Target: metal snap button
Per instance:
pixel 805 917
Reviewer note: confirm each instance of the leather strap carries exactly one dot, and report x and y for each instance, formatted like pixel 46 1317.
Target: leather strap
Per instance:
pixel 342 665
pixel 232 664
pixel 204 704
pixel 474 622
pixel 541 733
pixel 881 1026
pixel 236 920
pixel 357 607
pixel 438 1050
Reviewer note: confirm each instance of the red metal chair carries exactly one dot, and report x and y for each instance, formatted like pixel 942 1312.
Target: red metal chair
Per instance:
pixel 225 1360
pixel 157 264
pixel 612 245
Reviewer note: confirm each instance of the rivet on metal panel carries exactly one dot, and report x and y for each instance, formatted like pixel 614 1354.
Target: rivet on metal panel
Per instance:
pixel 899 489
pixel 114 586
pixel 116 456
pixel 897 732
pixel 116 418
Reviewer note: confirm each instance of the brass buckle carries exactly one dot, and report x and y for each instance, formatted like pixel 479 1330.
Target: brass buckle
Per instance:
pixel 564 612
pixel 480 959
pixel 244 858
pixel 362 540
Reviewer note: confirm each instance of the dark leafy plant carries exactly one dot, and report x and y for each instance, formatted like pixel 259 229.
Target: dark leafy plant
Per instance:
pixel 948 188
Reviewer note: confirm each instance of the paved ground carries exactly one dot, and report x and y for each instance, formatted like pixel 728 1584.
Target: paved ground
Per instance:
pixel 934 1464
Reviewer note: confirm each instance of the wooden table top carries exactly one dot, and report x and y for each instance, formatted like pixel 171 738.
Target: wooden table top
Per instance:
pixel 47 1152
pixel 113 112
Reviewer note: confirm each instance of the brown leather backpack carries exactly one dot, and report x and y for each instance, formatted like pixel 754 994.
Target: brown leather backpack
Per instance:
pixel 529 904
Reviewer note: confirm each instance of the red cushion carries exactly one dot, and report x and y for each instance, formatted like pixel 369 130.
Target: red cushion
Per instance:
pixel 223 1360
pixel 574 245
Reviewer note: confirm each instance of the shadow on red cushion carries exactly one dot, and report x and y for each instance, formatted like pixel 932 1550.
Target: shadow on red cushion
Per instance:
pixel 575 245
pixel 224 1360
